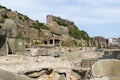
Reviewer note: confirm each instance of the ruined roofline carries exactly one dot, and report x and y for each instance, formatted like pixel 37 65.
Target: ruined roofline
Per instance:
pixel 57 18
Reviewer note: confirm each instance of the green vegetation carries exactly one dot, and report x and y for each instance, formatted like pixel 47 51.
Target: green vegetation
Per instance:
pixel 20 17
pixel 3 7
pixel 61 23
pixel 38 25
pixel 77 34
pixel 2 20
pixel 26 18
pixel 23 17
pixel 5 16
pixel 19 36
pixel 75 42
pixel 65 44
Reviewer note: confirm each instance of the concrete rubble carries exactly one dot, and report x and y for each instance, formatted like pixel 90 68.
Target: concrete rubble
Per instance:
pixel 69 64
pixel 6 75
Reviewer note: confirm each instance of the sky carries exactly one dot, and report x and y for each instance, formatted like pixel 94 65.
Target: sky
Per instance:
pixel 96 17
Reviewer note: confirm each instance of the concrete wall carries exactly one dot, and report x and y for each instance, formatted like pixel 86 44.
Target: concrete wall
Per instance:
pixel 16 45
pixel 11 45
pixel 106 67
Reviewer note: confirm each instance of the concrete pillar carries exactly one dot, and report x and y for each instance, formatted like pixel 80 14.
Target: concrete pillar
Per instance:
pixel 48 42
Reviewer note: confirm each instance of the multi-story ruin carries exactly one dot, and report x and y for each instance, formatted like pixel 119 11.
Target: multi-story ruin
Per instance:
pixel 9 42
pixel 54 18
pixel 100 42
pixel 58 25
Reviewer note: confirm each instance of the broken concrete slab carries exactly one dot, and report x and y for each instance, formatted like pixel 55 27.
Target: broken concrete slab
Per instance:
pixel 107 67
pixel 5 75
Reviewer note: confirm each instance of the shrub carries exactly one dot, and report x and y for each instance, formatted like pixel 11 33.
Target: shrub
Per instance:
pixel 5 16
pixel 77 34
pixel 38 25
pixel 61 23
pixel 2 20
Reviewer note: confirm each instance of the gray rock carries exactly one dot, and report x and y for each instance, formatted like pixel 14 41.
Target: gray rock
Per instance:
pixel 5 75
pixel 62 77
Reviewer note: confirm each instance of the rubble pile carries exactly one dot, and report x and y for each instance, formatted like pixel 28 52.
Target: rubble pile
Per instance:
pixel 69 64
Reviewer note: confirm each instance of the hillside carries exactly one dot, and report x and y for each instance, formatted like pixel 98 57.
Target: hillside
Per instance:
pixel 21 26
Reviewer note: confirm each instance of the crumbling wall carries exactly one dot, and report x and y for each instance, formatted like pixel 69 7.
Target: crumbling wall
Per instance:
pixel 106 67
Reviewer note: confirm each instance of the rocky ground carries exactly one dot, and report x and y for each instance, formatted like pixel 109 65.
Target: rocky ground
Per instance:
pixel 60 64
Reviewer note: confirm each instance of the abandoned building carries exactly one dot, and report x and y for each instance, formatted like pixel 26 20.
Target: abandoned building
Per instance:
pixel 54 18
pixel 100 42
pixel 9 42
pixel 52 42
pixel 10 45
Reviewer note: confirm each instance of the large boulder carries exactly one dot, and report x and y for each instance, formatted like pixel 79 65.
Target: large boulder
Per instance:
pixel 5 75
pixel 57 29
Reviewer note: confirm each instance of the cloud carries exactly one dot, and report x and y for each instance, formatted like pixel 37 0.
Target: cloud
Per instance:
pixel 87 14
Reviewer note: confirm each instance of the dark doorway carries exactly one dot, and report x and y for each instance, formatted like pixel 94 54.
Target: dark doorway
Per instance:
pixel 51 41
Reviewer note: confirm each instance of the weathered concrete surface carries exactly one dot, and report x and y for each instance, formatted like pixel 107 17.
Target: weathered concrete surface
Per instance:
pixel 69 60
pixel 107 67
pixel 24 64
pixel 5 75
pixel 102 78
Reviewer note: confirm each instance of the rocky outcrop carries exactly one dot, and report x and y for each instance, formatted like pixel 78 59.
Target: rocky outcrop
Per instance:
pixel 6 75
pixel 57 29
pixel 21 26
pixel 59 20
pixel 68 30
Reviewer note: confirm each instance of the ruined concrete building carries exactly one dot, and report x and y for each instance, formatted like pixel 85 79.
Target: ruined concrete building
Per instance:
pixel 100 42
pixel 54 18
pixel 9 43
pixel 57 25
pixel 114 43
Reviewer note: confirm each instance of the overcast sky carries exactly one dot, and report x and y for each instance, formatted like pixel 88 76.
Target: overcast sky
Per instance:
pixel 96 17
